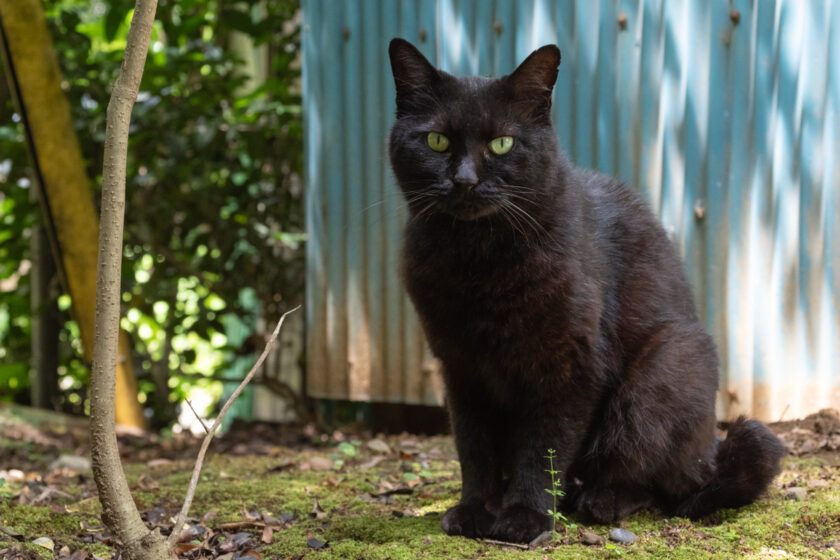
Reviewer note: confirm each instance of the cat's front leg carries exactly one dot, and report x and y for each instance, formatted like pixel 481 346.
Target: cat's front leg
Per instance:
pixel 476 439
pixel 526 502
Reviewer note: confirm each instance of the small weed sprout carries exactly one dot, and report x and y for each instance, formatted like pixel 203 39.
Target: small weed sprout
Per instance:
pixel 613 549
pixel 555 491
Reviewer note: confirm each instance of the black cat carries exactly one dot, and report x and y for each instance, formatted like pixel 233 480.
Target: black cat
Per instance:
pixel 560 312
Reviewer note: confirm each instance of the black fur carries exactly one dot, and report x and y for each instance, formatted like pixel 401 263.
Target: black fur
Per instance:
pixel 561 315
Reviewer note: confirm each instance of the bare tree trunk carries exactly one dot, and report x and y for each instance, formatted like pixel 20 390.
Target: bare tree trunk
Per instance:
pixel 118 509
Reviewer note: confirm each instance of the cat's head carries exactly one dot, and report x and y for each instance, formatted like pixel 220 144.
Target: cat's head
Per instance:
pixel 472 147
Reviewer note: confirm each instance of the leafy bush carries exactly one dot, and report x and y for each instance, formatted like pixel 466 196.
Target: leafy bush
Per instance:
pixel 214 215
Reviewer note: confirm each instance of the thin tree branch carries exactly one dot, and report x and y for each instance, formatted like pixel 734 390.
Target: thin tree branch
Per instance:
pixel 505 543
pixel 182 516
pixel 203 425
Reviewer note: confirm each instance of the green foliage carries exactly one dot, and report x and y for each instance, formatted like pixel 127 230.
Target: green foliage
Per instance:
pixel 555 490
pixel 17 215
pixel 214 219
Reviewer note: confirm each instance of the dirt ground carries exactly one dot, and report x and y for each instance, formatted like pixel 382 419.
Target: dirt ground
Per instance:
pixel 297 492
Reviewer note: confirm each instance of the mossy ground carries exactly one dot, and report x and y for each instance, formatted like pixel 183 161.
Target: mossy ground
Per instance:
pixel 363 519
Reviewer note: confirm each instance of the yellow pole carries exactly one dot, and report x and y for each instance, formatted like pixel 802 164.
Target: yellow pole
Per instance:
pixel 36 83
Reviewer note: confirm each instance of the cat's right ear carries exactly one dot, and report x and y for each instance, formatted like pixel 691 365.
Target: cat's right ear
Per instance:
pixel 414 76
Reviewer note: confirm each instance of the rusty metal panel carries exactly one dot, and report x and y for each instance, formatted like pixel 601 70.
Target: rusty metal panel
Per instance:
pixel 725 114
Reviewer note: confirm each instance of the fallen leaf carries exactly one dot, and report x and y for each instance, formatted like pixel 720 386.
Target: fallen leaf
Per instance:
pixel 11 533
pixel 45 542
pixel 184 547
pixel 378 446
pixel 271 520
pixel 75 463
pixel 252 553
pixel 320 464
pixel 267 534
pixel 147 484
pixel 317 511
pixel 372 463
pixel 316 543
pixel 210 515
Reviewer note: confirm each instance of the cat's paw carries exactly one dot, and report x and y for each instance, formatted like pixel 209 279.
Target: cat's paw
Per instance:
pixel 598 504
pixel 606 504
pixel 519 524
pixel 467 520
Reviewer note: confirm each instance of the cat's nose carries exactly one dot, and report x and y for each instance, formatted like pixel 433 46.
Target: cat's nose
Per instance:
pixel 466 175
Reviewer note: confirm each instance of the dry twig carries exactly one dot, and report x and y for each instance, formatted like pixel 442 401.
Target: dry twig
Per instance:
pixel 203 425
pixel 182 516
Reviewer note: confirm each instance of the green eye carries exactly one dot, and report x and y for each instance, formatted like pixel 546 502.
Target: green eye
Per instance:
pixel 437 141
pixel 501 145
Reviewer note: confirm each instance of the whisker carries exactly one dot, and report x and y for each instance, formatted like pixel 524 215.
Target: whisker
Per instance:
pixel 530 220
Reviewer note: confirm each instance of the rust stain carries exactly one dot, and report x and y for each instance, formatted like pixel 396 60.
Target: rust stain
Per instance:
pixel 622 21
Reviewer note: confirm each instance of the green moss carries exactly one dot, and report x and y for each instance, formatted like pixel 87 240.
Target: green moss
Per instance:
pixel 33 522
pixel 37 521
pixel 367 529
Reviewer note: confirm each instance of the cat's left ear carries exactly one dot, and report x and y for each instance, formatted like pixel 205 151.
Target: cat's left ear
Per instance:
pixel 534 79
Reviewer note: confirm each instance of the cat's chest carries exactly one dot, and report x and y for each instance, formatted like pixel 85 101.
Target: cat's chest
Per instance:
pixel 486 307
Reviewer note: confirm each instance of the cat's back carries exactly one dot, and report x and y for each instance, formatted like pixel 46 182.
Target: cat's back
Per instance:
pixel 644 272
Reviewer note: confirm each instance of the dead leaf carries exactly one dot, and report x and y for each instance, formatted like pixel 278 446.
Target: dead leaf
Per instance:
pixel 271 520
pixel 317 511
pixel 252 553
pixel 209 516
pixel 44 542
pixel 320 464
pixel 378 446
pixel 147 484
pixel 267 534
pixel 11 533
pixel 158 463
pixel 184 547
pixel 372 463
pixel 316 543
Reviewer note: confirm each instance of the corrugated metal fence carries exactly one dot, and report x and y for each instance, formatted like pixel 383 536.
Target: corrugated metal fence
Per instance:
pixel 725 114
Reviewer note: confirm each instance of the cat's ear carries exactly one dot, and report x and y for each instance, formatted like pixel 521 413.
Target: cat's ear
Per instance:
pixel 534 79
pixel 413 74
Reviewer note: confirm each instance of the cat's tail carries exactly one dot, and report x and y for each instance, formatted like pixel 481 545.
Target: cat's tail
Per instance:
pixel 747 462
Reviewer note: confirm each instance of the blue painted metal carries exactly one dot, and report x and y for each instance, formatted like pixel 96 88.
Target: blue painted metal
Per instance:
pixel 724 113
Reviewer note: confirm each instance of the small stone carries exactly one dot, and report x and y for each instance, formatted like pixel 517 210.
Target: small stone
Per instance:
pixel 541 539
pixel 75 463
pixel 591 539
pixel 796 493
pixel 378 446
pixel 622 536
pixel 320 464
